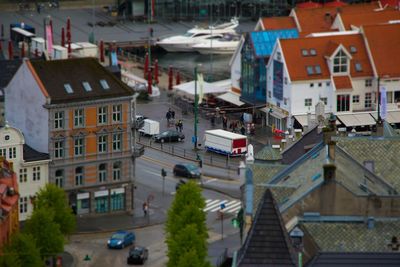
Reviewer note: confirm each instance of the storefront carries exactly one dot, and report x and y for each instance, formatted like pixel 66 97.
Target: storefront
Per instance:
pixel 83 203
pixel 101 201
pixel 117 199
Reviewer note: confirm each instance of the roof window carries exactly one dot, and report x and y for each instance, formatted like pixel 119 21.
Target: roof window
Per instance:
pixel 353 49
pixel 310 70
pixel 304 52
pixel 313 52
pixel 68 88
pixel 358 67
pixel 87 86
pixel 104 84
pixel 317 69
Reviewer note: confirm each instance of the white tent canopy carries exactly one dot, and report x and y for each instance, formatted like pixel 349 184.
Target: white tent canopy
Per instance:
pixel 208 88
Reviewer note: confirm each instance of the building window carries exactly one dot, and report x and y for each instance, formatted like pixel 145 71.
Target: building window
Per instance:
pixel 78 146
pixel 102 143
pixel 308 102
pixel 117 171
pixel 368 83
pixel 3 152
pixel 278 56
pixel 328 84
pixel 59 179
pixel 23 175
pixel 117 201
pixel 317 69
pixel 59 120
pixel 285 101
pixel 87 86
pixel 79 176
pixel 78 117
pixel 23 204
pixel 368 100
pixel 311 84
pixel 102 172
pixel 310 70
pixel 358 66
pixel 313 52
pixel 356 99
pixel 117 113
pixel 12 152
pixel 389 97
pixel 304 52
pixel 353 49
pixel 325 100
pixel 102 115
pixel 319 84
pixel 117 139
pixel 269 94
pixel 343 103
pixel 396 96
pixel 36 174
pixel 58 149
pixel 285 80
pixel 340 62
pixel 104 84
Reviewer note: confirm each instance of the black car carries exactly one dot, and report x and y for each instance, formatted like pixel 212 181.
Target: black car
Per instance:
pixel 169 136
pixel 137 255
pixel 187 170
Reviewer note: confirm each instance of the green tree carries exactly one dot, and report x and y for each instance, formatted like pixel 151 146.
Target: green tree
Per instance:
pixel 189 259
pixel 46 232
pixel 186 228
pixel 53 198
pixel 24 247
pixel 9 259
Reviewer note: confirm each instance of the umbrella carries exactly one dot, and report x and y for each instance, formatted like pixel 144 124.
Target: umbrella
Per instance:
pixel 156 71
pixel 69 30
pixel 146 65
pixel 23 50
pixel 170 78
pixel 178 78
pixel 101 51
pixel 10 50
pixel 149 83
pixel 62 37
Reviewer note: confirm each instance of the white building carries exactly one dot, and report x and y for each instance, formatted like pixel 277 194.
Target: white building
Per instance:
pixel 31 167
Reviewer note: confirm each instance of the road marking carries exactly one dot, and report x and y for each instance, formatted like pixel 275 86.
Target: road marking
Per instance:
pixel 233 207
pixel 210 181
pixel 218 208
pixel 152 172
pixel 212 204
pixel 208 201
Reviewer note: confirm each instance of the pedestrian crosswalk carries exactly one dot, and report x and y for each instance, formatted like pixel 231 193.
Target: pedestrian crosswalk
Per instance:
pixel 214 205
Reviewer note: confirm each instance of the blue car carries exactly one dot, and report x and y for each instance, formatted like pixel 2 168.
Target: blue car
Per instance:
pixel 121 239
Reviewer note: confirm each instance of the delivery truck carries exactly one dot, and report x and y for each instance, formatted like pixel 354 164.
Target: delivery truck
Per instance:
pixel 224 142
pixel 150 128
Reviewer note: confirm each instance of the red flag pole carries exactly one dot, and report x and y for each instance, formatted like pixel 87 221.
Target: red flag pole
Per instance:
pixel 23 50
pixel 69 49
pixel 156 71
pixel 149 83
pixel 178 78
pixel 146 65
pixel 62 37
pixel 170 78
pixel 10 50
pixel 101 51
pixel 68 30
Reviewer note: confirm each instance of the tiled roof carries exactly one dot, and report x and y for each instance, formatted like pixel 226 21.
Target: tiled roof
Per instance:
pixel 342 82
pixel 308 4
pixel 369 18
pixel 335 3
pixel 353 236
pixel 384 43
pixel 56 73
pixel 31 154
pixel 393 3
pixel 7 70
pixel 278 23
pixel 384 153
pixel 348 259
pixel 264 41
pixel 268 153
pixel 297 64
pixel 267 243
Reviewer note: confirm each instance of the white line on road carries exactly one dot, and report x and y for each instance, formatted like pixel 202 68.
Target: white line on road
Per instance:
pixel 233 207
pixel 154 173
pixel 208 201
pixel 212 205
pixel 210 181
pixel 217 208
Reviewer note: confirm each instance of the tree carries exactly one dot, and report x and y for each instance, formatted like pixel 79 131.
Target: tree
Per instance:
pixel 23 246
pixel 46 232
pixel 186 227
pixel 53 198
pixel 189 259
pixel 9 259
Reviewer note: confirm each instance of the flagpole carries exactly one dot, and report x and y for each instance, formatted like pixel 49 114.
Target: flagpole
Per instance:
pixel 196 100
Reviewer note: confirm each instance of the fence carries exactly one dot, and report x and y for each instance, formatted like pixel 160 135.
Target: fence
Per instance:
pixel 221 161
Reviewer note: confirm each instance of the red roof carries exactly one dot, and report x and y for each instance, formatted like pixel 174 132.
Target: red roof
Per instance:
pixel 335 3
pixel 393 3
pixel 342 82
pixel 324 46
pixel 384 43
pixel 277 23
pixel 369 18
pixel 308 4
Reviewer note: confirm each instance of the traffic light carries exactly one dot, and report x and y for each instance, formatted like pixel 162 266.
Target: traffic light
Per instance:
pixel 163 172
pixel 235 222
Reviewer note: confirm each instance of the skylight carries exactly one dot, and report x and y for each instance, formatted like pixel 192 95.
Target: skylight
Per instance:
pixel 353 49
pixel 104 84
pixel 310 70
pixel 358 66
pixel 313 52
pixel 317 69
pixel 68 88
pixel 87 86
pixel 304 52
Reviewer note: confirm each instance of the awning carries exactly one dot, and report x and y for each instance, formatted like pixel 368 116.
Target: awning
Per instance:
pixel 275 113
pixel 356 119
pixel 392 116
pixel 231 97
pixel 302 119
pixel 208 88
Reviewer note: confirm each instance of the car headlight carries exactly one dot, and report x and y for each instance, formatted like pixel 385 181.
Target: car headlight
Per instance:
pixel 108 241
pixel 119 242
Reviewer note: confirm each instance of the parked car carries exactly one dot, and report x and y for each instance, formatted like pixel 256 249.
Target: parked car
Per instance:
pixel 137 255
pixel 187 170
pixel 169 136
pixel 121 239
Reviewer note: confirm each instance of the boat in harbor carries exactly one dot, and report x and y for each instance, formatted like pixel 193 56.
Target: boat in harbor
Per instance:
pixel 197 35
pixel 221 46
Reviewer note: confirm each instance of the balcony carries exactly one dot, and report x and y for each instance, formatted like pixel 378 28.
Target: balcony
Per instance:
pixel 137 150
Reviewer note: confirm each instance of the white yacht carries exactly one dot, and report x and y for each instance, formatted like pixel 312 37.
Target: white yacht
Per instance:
pixel 225 45
pixel 197 35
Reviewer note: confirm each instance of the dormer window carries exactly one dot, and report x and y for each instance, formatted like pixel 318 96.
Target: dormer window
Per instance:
pixel 68 88
pixel 87 86
pixel 358 67
pixel 304 52
pixel 104 84
pixel 340 62
pixel 313 52
pixel 353 49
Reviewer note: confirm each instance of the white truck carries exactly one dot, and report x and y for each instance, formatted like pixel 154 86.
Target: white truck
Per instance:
pixel 224 142
pixel 150 127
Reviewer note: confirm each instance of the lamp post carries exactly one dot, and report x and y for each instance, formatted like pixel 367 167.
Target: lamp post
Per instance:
pixel 196 102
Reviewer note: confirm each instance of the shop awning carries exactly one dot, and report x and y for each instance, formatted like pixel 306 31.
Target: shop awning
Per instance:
pixel 302 119
pixel 392 116
pixel 275 113
pixel 356 119
pixel 231 97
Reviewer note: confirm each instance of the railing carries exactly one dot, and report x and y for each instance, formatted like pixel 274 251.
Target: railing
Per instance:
pixel 207 158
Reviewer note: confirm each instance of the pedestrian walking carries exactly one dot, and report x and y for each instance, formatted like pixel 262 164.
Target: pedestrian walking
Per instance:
pixel 145 208
pixel 243 130
pixel 180 125
pixel 173 114
pixel 168 116
pixel 224 122
pixel 177 126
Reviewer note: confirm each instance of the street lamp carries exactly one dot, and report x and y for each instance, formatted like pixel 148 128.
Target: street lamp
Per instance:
pixel 196 103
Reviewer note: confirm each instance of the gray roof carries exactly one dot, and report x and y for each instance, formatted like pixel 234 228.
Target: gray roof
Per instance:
pixel 7 70
pixel 56 73
pixel 31 154
pixel 341 259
